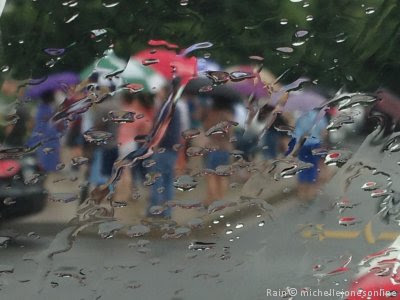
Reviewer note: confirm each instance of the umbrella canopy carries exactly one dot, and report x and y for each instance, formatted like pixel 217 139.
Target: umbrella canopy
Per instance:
pixel 247 87
pixel 168 63
pixel 224 96
pixel 54 82
pixel 205 64
pixel 300 100
pixel 114 71
pixel 108 64
pixel 135 72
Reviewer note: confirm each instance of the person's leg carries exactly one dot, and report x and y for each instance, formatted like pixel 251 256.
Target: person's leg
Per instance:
pixel 110 155
pixel 270 140
pixel 165 164
pixel 307 179
pixel 212 189
pixel 170 160
pixel 222 186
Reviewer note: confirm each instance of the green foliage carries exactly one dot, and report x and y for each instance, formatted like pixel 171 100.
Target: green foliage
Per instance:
pixel 366 59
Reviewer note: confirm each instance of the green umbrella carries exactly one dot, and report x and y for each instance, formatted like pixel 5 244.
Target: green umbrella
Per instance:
pixel 114 71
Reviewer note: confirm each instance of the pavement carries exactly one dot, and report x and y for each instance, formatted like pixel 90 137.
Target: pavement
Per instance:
pixel 248 251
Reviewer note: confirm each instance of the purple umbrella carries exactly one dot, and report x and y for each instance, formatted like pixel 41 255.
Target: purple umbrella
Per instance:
pixel 247 87
pixel 54 82
pixel 300 100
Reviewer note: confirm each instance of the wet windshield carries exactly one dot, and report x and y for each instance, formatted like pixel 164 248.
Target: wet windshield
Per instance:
pixel 193 149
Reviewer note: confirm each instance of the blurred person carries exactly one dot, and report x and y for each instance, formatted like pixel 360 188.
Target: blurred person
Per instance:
pixel 96 118
pixel 46 133
pixel 220 146
pixel 274 141
pixel 188 111
pixel 165 158
pixel 314 131
pixel 141 104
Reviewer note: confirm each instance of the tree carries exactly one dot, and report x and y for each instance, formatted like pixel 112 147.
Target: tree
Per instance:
pixel 343 42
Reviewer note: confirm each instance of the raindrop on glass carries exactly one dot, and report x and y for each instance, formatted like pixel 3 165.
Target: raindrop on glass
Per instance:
pixel 370 10
pixel 110 4
pixel 72 18
pixel 284 21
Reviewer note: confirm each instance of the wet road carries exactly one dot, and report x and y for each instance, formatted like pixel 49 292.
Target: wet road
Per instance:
pixel 258 258
pixel 255 253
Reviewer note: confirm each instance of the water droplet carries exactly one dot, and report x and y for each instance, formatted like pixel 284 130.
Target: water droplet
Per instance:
pixel 301 33
pixel 9 201
pixel 239 225
pixel 393 144
pixel 150 61
pixel 218 77
pixel 4 240
pixel 160 43
pixel 285 49
pixel 184 2
pixel 195 151
pixel 155 261
pixel 70 3
pixel 261 223
pixel 341 37
pixel 370 10
pixel 177 233
pixel 132 284
pixel 230 231
pixel 348 221
pixel 119 204
pixel 369 186
pixel 138 230
pixel 110 4
pixel 32 179
pixel 221 128
pixel 206 89
pixel 220 205
pixel 60 166
pixel 309 18
pixel 380 193
pixel 97 137
pixel 108 229
pixel 54 51
pixel 157 209
pixel 195 47
pixel 97 32
pixel 256 58
pixel 148 163
pixel 337 157
pixel 63 197
pixel 33 235
pixel 79 160
pixel 284 21
pixel 196 223
pixel 4 69
pixel 185 183
pixel 190 133
pixel 239 76
pixel 72 18
pixel 6 269
pixel 341 119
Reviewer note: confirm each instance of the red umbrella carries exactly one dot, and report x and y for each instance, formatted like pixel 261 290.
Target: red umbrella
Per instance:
pixel 169 64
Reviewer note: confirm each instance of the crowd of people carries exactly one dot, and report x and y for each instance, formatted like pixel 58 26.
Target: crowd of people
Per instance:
pixel 196 129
